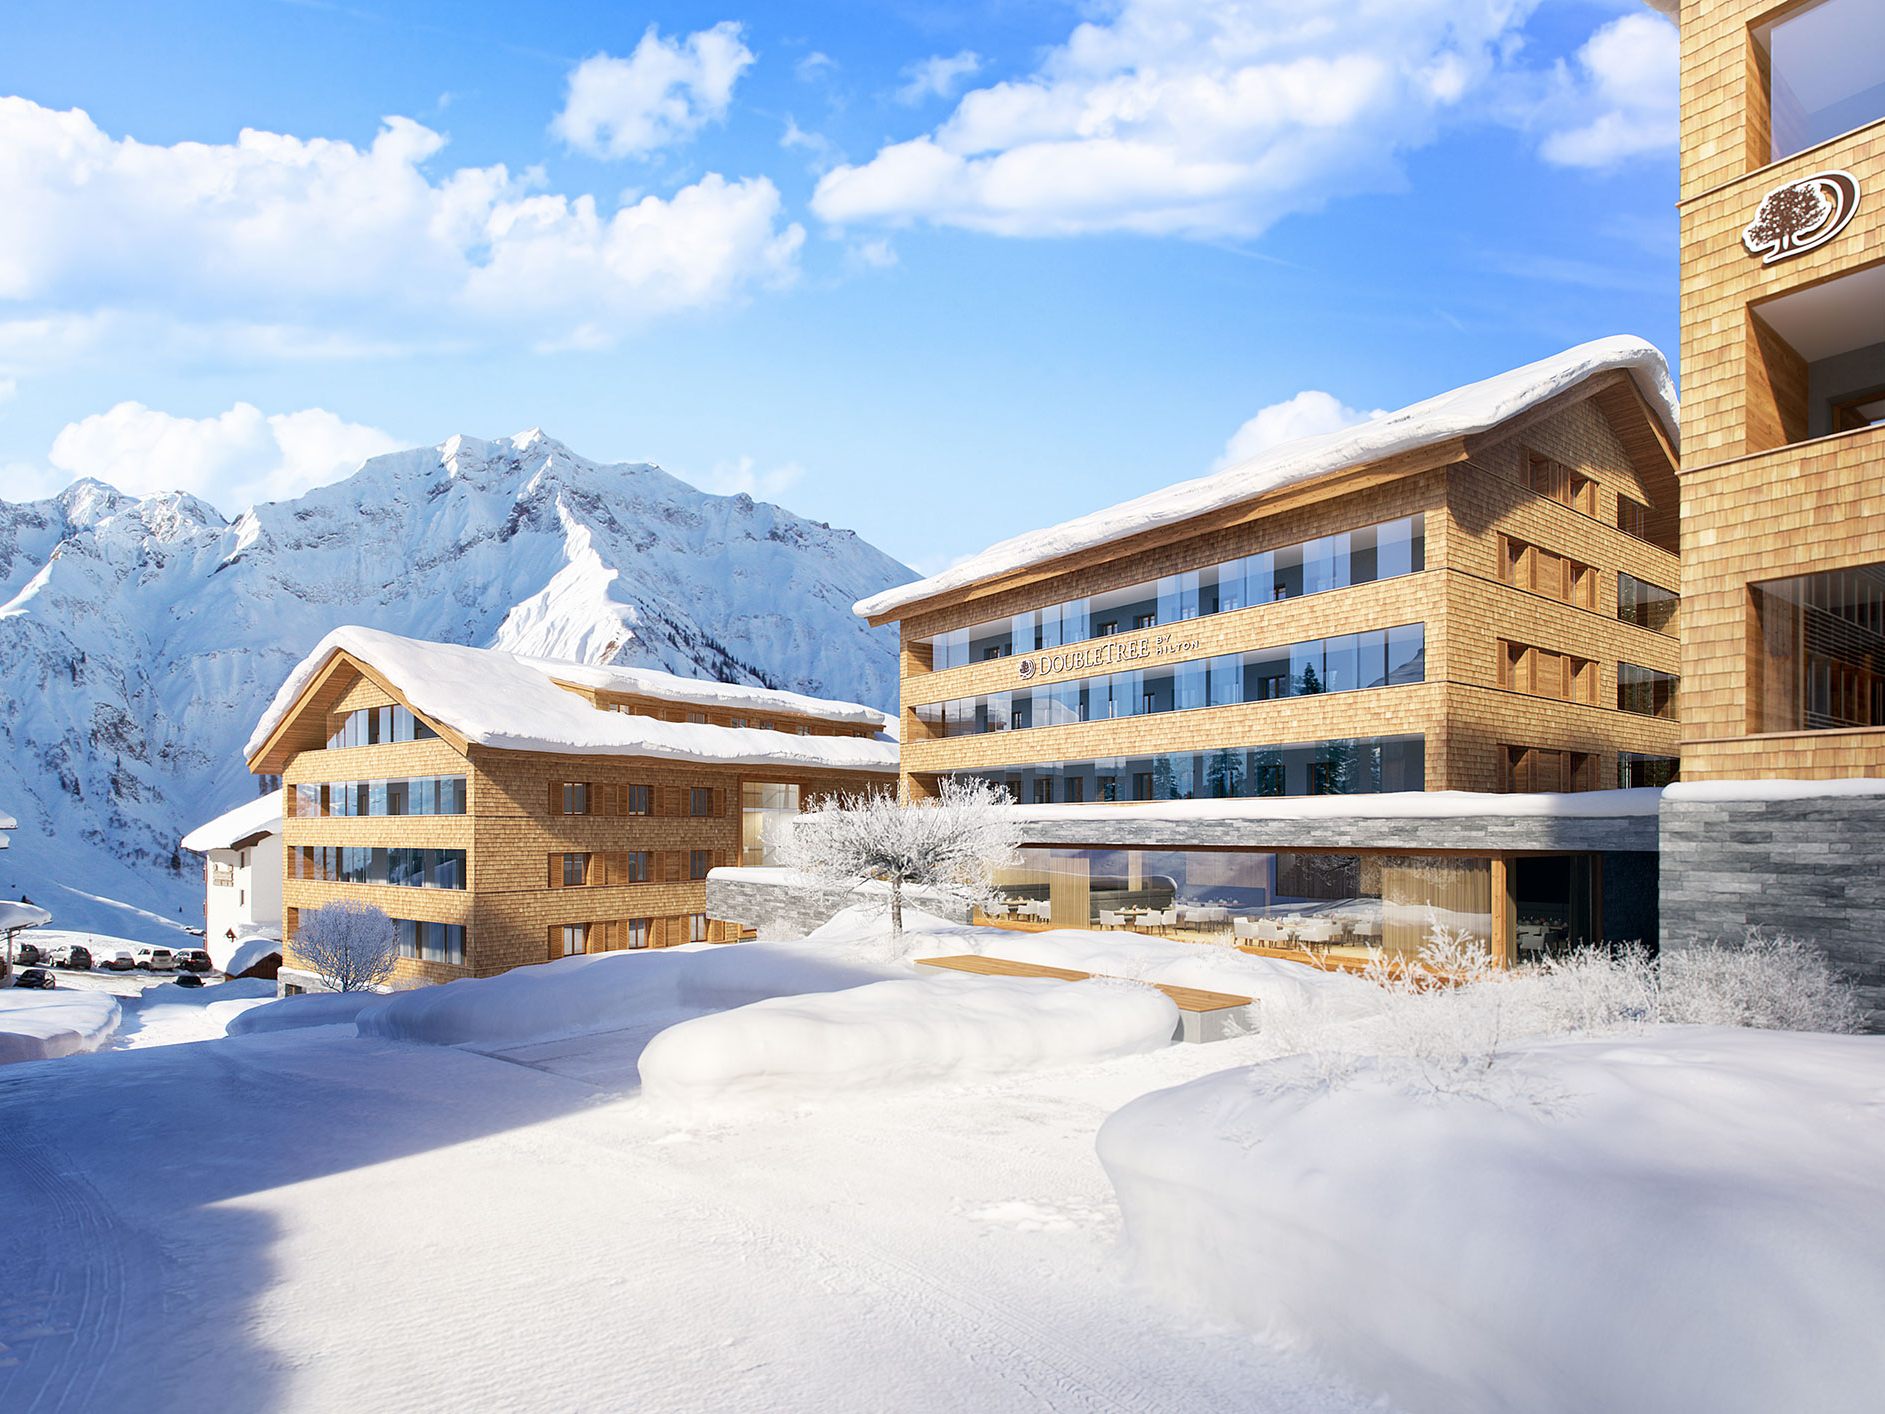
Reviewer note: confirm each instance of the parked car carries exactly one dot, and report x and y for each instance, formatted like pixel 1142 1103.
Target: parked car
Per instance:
pixel 155 959
pixel 76 956
pixel 29 955
pixel 193 960
pixel 189 979
pixel 116 959
pixel 33 977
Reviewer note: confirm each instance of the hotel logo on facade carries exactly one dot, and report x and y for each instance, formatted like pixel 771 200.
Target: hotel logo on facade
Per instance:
pixel 1801 216
pixel 1112 653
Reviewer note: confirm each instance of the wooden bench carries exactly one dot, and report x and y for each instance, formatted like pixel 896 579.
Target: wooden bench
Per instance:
pixel 1202 1015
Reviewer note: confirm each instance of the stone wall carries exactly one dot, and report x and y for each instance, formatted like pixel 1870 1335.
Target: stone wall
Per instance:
pixel 785 907
pixel 1813 868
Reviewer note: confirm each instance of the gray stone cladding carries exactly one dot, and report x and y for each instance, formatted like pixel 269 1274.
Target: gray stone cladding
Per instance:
pixel 1812 868
pixel 1475 834
pixel 783 908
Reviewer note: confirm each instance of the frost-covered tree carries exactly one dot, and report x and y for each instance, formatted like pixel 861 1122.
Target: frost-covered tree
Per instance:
pixel 952 844
pixel 350 946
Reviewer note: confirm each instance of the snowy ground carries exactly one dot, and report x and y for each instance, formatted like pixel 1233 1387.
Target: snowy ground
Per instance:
pixel 455 1207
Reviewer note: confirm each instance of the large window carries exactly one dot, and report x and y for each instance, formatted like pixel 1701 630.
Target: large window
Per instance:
pixel 431 942
pixel 1362 556
pixel 1634 768
pixel 373 726
pixel 1287 899
pixel 372 864
pixel 413 795
pixel 1379 658
pixel 1646 692
pixel 1646 605
pixel 1825 73
pixel 767 809
pixel 1822 651
pixel 1349 767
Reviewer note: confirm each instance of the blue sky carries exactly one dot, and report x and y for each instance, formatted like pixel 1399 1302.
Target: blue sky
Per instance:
pixel 1064 270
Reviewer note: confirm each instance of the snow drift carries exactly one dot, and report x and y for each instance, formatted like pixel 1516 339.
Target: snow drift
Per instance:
pixel 905 1032
pixel 310 1009
pixel 1692 1218
pixel 38 1025
pixel 608 991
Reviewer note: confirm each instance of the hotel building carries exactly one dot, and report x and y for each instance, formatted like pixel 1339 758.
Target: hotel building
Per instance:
pixel 1476 593
pixel 1782 475
pixel 507 810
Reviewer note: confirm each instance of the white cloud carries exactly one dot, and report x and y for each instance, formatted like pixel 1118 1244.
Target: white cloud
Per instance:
pixel 873 254
pixel 350 248
pixel 815 67
pixel 937 76
pixel 663 93
pixel 1192 117
pixel 1625 96
pixel 1311 413
pixel 744 474
pixel 232 460
pixel 822 153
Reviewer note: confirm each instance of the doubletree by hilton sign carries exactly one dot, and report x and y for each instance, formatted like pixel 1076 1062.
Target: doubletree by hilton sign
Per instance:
pixel 1801 216
pixel 1117 652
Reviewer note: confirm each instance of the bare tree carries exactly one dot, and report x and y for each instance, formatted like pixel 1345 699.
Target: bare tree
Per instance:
pixel 952 844
pixel 351 946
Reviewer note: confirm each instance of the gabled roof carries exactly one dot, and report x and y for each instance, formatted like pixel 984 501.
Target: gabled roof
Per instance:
pixel 250 820
pixel 1465 412
pixel 486 697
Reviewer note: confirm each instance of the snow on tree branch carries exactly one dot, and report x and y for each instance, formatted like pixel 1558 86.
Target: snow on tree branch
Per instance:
pixel 951 845
pixel 351 947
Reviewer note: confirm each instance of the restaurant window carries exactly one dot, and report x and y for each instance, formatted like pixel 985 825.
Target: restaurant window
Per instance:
pixel 1646 692
pixel 1635 768
pixel 1646 605
pixel 1821 647
pixel 1825 73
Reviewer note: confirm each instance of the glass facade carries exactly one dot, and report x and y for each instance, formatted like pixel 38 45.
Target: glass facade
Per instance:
pixel 1646 692
pixel 1354 767
pixel 1647 605
pixel 1636 769
pixel 1826 73
pixel 1345 663
pixel 371 726
pixel 431 942
pixel 413 795
pixel 1287 899
pixel 373 864
pixel 1362 556
pixel 767 810
pixel 1822 651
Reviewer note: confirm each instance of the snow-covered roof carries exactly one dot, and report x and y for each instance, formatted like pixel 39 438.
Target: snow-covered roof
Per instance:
pixel 1464 412
pixel 1388 805
pixel 261 816
pixel 22 915
pixel 7 822
pixel 498 699
pixel 1717 791
pixel 699 692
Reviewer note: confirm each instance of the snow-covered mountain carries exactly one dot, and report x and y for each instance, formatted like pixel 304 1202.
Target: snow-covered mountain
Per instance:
pixel 141 639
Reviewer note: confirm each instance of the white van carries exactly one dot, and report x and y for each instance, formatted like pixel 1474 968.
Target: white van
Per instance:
pixel 155 959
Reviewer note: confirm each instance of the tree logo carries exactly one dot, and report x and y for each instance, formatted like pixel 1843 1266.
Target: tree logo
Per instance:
pixel 1801 216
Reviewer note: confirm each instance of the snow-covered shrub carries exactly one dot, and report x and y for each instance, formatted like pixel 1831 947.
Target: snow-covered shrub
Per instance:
pixel 350 946
pixel 952 844
pixel 1774 982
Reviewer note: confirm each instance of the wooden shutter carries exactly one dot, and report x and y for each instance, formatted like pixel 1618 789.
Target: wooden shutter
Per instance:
pixel 556 871
pixel 673 866
pixel 555 943
pixel 1548 674
pixel 556 797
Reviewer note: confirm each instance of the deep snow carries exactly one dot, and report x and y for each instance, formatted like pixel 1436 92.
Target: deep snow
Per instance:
pixel 1685 1219
pixel 39 1025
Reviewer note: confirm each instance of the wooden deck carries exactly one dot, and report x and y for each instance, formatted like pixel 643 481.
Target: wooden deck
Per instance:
pixel 1192 999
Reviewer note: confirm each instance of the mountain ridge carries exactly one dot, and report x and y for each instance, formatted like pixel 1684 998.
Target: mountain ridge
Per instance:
pixel 142 636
